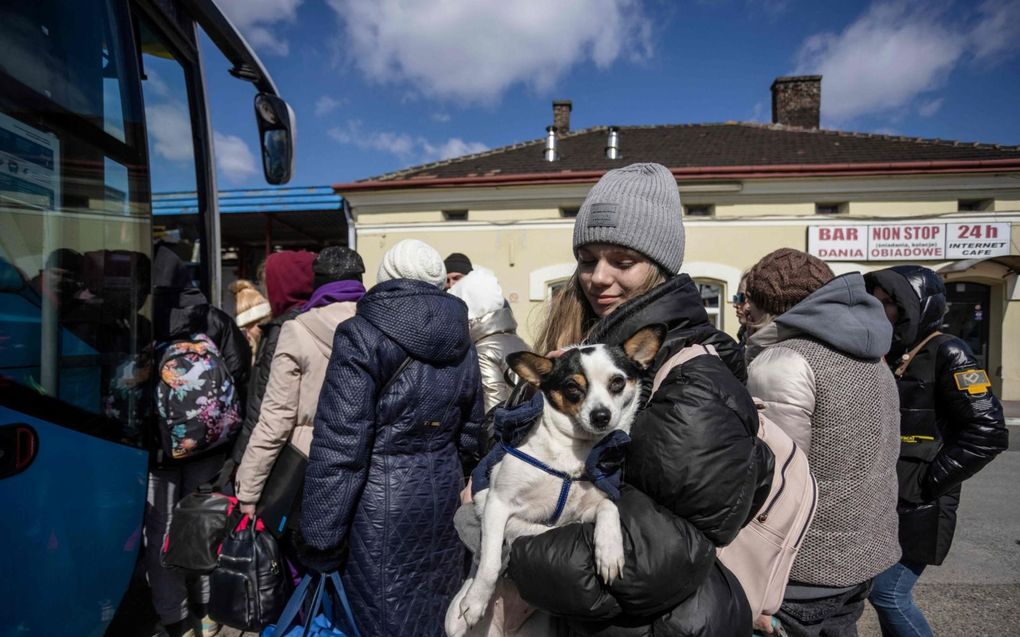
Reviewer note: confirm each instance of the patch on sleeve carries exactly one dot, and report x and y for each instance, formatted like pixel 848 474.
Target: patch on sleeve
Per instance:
pixel 973 381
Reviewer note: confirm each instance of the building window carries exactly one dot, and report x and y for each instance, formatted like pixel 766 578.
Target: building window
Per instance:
pixel 831 208
pixel 569 213
pixel 556 286
pixel 974 205
pixel 699 210
pixel 711 299
pixel 455 215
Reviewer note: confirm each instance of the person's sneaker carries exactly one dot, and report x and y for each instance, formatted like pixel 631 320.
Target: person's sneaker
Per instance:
pixel 210 628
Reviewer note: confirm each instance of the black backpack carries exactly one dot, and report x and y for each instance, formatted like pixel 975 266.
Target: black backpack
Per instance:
pixel 249 587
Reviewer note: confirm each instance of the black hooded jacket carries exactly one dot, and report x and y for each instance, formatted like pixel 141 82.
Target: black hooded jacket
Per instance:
pixel 951 425
pixel 180 311
pixel 694 474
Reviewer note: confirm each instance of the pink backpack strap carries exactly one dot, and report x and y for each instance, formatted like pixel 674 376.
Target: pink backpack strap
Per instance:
pixel 681 357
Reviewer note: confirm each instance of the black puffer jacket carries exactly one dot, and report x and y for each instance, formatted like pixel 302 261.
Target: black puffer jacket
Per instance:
pixel 951 425
pixel 260 377
pixel 695 473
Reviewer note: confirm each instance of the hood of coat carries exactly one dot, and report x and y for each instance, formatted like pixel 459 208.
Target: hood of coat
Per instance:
pixel 501 321
pixel 920 296
pixel 429 324
pixel 288 279
pixel 841 314
pixel 177 313
pixel 321 323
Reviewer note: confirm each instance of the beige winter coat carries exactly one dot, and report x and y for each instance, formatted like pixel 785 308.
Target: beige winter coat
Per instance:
pixel 288 408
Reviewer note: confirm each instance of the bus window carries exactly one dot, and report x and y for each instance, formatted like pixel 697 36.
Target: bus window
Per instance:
pixel 74 213
pixel 171 146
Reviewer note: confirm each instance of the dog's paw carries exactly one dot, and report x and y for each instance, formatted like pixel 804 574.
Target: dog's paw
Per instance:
pixel 454 624
pixel 473 606
pixel 608 551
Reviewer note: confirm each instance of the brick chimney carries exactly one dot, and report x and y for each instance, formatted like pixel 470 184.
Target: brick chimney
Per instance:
pixel 561 116
pixel 797 101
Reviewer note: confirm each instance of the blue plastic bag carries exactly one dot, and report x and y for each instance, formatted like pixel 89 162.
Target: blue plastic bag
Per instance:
pixel 320 618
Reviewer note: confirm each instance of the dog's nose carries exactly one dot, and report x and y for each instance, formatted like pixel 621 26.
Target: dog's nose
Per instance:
pixel 600 417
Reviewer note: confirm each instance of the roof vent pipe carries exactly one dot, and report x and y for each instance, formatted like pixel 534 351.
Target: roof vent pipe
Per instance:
pixel 613 143
pixel 550 144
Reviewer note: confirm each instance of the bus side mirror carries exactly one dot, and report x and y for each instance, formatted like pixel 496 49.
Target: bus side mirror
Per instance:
pixel 276 134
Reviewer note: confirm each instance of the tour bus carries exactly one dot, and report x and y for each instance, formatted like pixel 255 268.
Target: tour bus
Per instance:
pixel 96 97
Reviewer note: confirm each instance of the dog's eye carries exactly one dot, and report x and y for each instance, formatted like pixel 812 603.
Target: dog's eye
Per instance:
pixel 617 384
pixel 573 392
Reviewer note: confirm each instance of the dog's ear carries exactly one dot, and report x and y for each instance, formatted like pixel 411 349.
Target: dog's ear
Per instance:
pixel 644 344
pixel 531 367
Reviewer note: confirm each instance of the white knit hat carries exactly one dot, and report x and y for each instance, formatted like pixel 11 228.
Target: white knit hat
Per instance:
pixel 413 259
pixel 480 290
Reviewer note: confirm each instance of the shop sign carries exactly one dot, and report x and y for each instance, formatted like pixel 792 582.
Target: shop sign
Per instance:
pixel 909 241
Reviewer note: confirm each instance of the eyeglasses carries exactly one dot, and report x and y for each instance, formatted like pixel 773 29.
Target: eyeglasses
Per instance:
pixel 740 298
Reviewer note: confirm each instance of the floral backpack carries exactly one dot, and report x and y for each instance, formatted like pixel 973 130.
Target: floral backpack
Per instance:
pixel 196 398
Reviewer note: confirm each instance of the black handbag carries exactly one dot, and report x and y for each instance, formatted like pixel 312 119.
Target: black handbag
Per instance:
pixel 280 504
pixel 248 590
pixel 198 525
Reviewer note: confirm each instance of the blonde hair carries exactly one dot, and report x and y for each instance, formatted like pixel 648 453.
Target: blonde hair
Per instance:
pixel 570 319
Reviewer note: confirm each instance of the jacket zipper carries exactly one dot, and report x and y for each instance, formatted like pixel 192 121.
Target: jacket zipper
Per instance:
pixel 764 515
pixel 814 499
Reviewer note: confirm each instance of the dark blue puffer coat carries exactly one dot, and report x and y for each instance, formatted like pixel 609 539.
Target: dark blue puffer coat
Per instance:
pixel 385 471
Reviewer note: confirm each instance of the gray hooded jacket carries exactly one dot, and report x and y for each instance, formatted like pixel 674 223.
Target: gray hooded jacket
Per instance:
pixel 818 368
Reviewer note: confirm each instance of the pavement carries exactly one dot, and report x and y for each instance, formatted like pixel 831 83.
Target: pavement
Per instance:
pixel 976 592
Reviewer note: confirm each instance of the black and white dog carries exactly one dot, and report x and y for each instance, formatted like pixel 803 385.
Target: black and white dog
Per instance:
pixel 589 392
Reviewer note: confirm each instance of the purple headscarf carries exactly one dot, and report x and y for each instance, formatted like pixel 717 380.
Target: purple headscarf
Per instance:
pixel 335 292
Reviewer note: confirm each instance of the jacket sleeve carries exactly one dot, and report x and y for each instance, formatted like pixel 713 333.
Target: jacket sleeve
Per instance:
pixel 783 380
pixel 233 346
pixel 344 433
pixel 666 560
pixel 976 428
pixel 494 385
pixel 471 442
pixel 277 418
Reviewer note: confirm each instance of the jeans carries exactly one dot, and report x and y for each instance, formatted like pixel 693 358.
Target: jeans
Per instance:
pixel 834 616
pixel 171 590
pixel 893 600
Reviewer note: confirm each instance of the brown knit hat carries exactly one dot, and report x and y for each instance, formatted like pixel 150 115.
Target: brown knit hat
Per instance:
pixel 784 278
pixel 251 306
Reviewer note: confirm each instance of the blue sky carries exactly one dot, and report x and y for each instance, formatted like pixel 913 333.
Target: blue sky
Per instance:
pixel 378 85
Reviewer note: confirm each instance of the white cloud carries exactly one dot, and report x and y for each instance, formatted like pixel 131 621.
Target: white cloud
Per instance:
pixel 998 28
pixel 256 19
pixel 234 160
pixel 404 146
pixel 882 61
pixel 474 51
pixel 326 105
pixel 900 50
pixel 170 129
pixel 441 118
pixel 453 147
pixel 400 144
pixel 929 108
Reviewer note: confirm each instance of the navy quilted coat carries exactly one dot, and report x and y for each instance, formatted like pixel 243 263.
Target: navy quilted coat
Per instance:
pixel 384 471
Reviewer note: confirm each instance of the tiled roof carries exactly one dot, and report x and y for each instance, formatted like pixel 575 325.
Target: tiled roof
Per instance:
pixel 690 146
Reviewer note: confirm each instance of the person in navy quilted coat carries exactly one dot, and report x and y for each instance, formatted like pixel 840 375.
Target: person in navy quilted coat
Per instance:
pixel 385 467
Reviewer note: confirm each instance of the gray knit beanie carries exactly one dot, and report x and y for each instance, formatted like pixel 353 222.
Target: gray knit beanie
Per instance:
pixel 638 207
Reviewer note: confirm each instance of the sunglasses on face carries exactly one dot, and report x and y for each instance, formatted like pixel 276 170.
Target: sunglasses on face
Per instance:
pixel 740 298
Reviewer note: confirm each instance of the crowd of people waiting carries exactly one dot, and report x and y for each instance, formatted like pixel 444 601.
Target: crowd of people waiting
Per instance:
pixel 387 389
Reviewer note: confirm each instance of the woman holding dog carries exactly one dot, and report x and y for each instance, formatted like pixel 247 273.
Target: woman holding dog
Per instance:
pixel 694 472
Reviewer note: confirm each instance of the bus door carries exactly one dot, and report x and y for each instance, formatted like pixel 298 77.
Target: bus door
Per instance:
pixel 75 323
